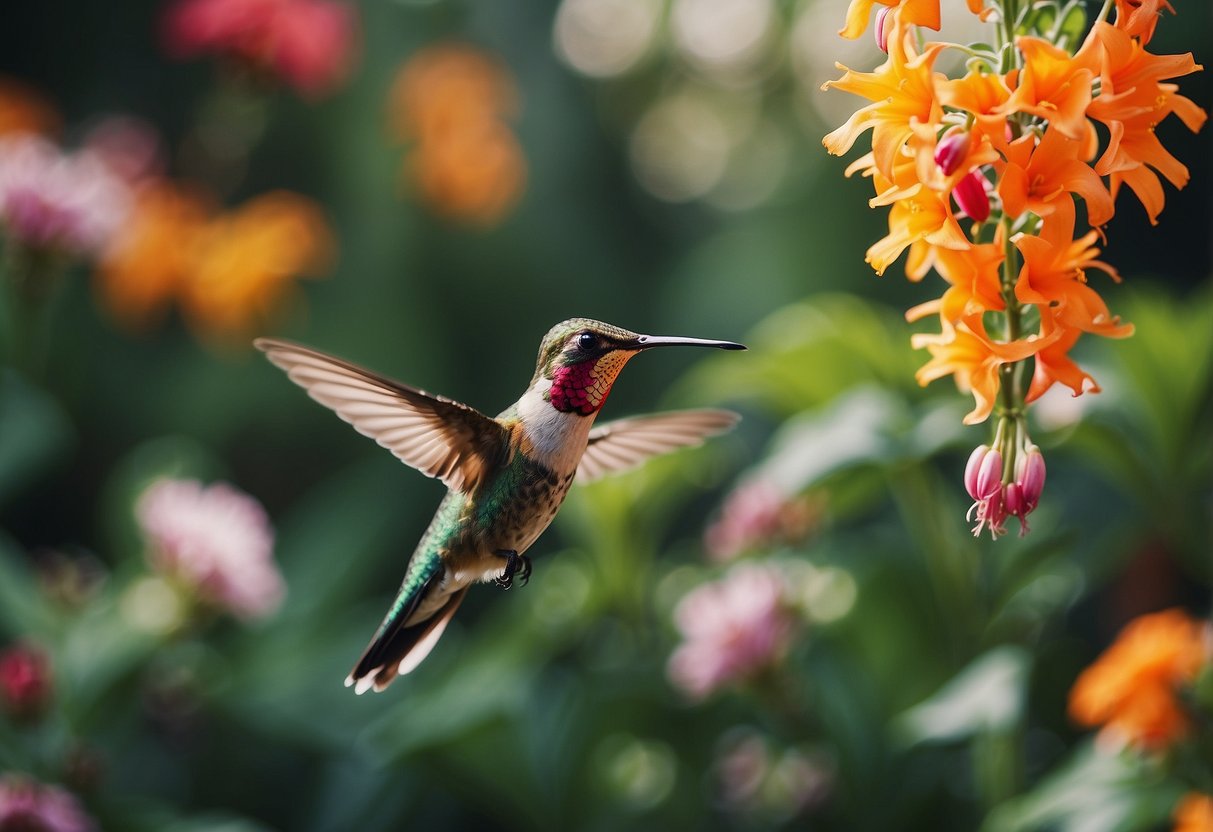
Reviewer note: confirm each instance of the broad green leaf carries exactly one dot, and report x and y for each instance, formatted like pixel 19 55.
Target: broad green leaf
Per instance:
pixel 1096 791
pixel 987 696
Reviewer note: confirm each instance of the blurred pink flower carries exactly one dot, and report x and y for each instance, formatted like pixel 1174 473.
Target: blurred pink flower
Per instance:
pixel 130 146
pixel 732 628
pixel 29 806
pixel 53 201
pixel 25 681
pixel 755 514
pixel 309 44
pixel 215 540
pixel 766 784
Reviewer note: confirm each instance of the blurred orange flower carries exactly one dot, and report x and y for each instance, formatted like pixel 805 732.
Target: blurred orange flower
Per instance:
pixel 244 262
pixel 151 258
pixel 453 102
pixel 227 271
pixel 1194 813
pixel 1131 688
pixel 22 110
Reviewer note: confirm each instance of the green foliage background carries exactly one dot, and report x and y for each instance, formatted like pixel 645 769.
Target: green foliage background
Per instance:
pixel 936 702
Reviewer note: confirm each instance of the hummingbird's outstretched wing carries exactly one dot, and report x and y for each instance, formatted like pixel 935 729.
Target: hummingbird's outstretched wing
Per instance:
pixel 620 445
pixel 437 436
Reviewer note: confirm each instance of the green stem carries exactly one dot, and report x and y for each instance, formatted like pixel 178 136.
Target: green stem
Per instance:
pixel 1103 12
pixel 1011 392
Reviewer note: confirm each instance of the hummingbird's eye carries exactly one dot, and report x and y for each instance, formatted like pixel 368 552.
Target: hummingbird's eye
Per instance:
pixel 587 341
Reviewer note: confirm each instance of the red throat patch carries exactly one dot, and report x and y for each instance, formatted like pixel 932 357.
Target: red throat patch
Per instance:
pixel 583 388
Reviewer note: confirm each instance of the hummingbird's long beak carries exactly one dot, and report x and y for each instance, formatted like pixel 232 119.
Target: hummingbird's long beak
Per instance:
pixel 644 342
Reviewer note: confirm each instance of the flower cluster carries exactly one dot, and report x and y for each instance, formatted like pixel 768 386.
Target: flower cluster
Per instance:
pixel 757 514
pixel 453 104
pixel 227 270
pixel 54 202
pixel 1132 689
pixel 308 44
pixel 732 629
pixel 213 541
pixel 28 805
pixel 1012 146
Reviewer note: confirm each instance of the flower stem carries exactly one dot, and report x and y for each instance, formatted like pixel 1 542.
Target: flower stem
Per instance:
pixel 1011 392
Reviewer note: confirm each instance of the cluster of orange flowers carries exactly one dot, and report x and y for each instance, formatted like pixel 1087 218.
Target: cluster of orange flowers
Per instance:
pixel 1132 688
pixel 1011 145
pixel 1135 691
pixel 227 270
pixel 453 104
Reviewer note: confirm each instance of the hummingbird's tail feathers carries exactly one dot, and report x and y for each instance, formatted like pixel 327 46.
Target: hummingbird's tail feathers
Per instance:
pixel 396 649
pixel 625 443
pixel 431 631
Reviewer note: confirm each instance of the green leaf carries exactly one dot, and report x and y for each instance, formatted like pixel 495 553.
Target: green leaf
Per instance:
pixel 987 696
pixel 34 432
pixel 23 607
pixel 1095 791
pixel 1073 23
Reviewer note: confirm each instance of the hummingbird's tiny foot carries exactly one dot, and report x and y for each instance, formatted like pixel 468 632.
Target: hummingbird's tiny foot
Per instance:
pixel 514 564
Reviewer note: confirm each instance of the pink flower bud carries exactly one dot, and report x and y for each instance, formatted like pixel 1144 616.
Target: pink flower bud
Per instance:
pixel 989 475
pixel 1030 477
pixel 1013 499
pixel 970 195
pixel 971 469
pixel 881 28
pixel 952 150
pixel 25 682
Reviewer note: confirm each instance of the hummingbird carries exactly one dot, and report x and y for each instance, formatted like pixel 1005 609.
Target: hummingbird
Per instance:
pixel 506 475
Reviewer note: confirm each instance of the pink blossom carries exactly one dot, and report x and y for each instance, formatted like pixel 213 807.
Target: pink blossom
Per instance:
pixel 53 201
pixel 215 540
pixel 307 43
pixel 130 146
pixel 30 806
pixel 755 514
pixel 25 681
pixel 732 628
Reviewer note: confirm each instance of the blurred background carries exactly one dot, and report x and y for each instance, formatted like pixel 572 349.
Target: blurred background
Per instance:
pixel 789 627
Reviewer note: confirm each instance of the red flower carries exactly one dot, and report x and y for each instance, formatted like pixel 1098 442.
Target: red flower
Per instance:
pixel 306 43
pixel 25 681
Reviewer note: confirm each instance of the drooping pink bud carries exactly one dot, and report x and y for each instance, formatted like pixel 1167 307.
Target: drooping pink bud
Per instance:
pixel 952 150
pixel 1030 476
pixel 971 469
pixel 970 195
pixel 881 28
pixel 989 475
pixel 1012 499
